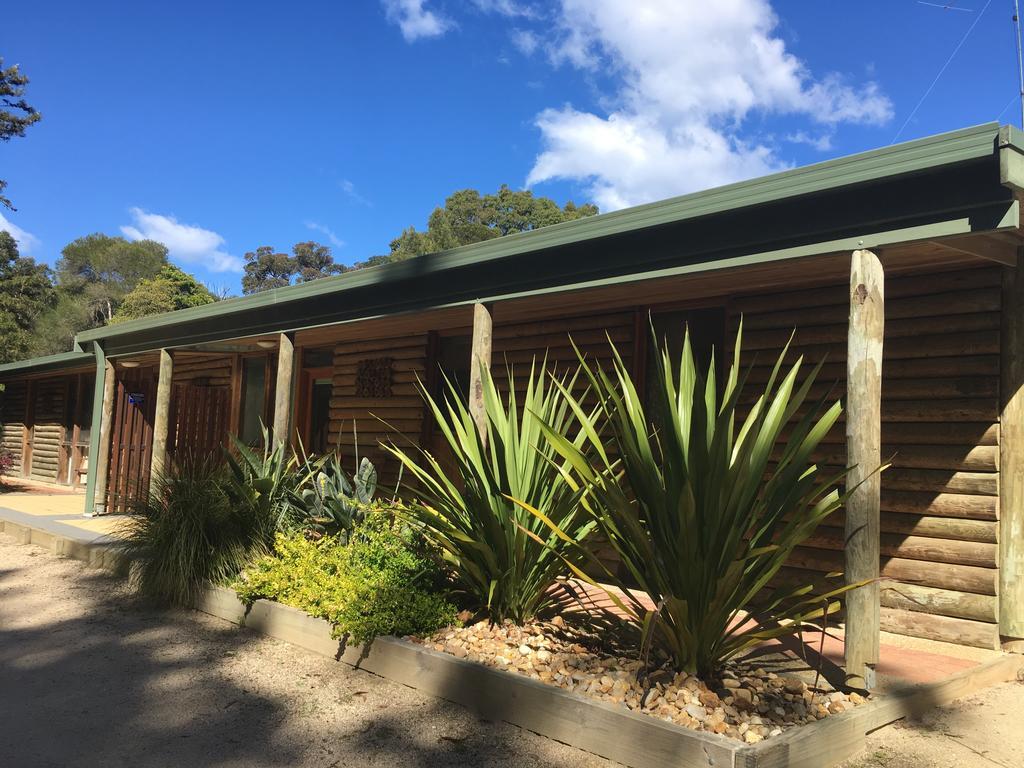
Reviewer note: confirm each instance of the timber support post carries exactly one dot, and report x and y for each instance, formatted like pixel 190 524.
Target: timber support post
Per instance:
pixel 283 390
pixel 1011 460
pixel 99 435
pixel 161 418
pixel 480 358
pixel 864 455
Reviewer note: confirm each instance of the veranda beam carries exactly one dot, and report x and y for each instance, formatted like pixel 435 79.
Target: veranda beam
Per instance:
pixel 161 418
pixel 99 435
pixel 480 355
pixel 283 391
pixel 864 449
pixel 1011 460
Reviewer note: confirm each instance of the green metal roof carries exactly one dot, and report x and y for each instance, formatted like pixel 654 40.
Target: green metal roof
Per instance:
pixel 937 186
pixel 59 362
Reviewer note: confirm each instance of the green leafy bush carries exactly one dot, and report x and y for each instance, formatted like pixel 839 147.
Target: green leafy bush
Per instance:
pixel 504 559
pixel 380 584
pixel 190 532
pixel 705 510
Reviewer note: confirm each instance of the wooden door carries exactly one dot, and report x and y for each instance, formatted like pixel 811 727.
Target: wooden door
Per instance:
pixel 131 439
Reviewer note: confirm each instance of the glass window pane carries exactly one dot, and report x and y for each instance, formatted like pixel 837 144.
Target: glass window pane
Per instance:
pixel 254 382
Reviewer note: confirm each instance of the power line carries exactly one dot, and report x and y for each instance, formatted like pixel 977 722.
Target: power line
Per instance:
pixel 941 72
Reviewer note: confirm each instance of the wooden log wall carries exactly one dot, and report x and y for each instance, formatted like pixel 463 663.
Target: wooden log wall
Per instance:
pixel 940 413
pixel 202 370
pixel 383 417
pixel 48 420
pixel 12 421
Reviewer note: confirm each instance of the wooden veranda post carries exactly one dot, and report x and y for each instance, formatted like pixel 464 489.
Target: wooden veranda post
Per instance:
pixel 161 416
pixel 283 390
pixel 99 435
pixel 480 356
pixel 1011 461
pixel 864 455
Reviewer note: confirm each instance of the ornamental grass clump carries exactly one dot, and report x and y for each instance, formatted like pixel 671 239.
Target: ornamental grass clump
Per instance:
pixel 705 509
pixel 504 560
pixel 190 531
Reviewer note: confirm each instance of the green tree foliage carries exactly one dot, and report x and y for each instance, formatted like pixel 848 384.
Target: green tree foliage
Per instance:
pixel 99 271
pixel 266 268
pixel 313 261
pixel 171 289
pixel 16 114
pixel 469 217
pixel 25 293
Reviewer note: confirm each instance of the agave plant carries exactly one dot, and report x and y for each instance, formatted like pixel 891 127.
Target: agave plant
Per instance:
pixel 266 480
pixel 504 559
pixel 332 504
pixel 705 510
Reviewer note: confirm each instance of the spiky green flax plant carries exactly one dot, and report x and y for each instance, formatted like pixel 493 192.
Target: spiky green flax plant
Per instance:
pixel 704 510
pixel 503 559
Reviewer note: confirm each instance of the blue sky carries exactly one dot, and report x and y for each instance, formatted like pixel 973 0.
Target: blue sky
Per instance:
pixel 218 127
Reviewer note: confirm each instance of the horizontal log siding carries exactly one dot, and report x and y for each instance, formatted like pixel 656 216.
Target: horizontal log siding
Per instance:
pixel 517 345
pixel 203 371
pixel 363 419
pixel 12 421
pixel 48 428
pixel 940 410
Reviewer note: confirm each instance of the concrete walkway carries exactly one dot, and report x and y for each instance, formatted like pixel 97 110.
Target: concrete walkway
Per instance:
pixel 90 677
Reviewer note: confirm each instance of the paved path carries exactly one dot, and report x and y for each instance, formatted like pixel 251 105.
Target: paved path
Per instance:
pixel 88 677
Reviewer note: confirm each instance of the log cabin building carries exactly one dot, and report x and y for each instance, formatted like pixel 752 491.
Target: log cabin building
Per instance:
pixel 904 258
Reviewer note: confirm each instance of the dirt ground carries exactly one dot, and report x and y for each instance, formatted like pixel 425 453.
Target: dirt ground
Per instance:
pixel 90 677
pixel 986 729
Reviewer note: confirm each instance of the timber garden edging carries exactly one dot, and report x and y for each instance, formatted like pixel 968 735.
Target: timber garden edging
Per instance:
pixel 602 728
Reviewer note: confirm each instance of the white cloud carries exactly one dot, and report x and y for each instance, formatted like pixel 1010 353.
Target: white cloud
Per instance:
pixel 27 242
pixel 350 191
pixel 508 8
pixel 186 243
pixel 415 20
pixel 822 143
pixel 323 229
pixel 688 74
pixel 525 41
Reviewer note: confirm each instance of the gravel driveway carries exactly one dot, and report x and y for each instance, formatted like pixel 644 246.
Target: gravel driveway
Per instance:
pixel 88 677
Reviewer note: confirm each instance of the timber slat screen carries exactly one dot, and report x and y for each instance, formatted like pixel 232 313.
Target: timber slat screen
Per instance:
pixel 13 400
pixel 131 439
pixel 200 418
pixel 940 429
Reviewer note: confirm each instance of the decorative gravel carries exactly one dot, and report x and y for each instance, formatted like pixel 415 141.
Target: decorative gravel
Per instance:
pixel 748 703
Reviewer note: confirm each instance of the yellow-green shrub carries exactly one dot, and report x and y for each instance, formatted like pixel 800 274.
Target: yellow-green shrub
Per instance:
pixel 376 585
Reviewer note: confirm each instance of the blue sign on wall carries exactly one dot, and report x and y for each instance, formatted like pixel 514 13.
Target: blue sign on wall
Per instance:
pixel 136 398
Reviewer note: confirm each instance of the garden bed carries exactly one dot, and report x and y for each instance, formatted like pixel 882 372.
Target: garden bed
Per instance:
pixel 601 727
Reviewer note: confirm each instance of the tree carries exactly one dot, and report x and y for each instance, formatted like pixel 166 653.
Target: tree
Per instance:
pixel 266 269
pixel 94 274
pixel 15 113
pixel 25 293
pixel 313 261
pixel 469 217
pixel 100 271
pixel 170 290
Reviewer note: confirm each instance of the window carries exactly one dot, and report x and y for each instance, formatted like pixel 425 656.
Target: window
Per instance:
pixel 254 388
